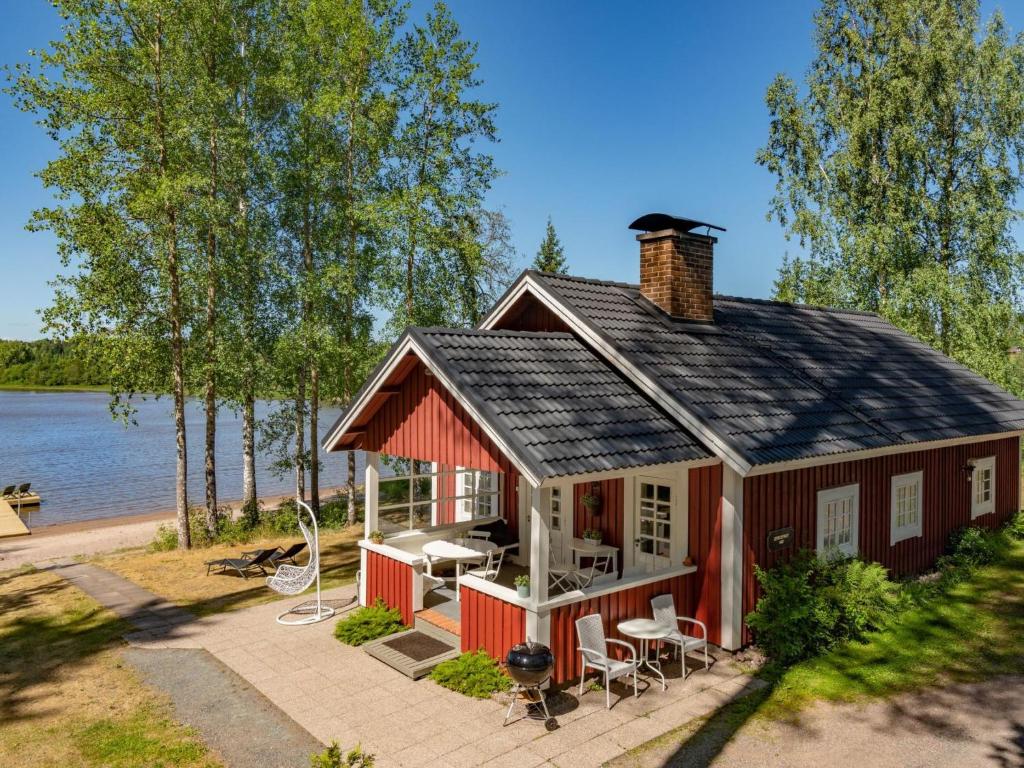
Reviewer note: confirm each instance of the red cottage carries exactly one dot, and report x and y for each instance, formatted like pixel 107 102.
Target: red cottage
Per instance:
pixel 697 435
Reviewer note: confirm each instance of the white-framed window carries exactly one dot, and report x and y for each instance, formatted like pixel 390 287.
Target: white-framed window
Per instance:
pixel 983 486
pixel 557 511
pixel 478 493
pixel 905 506
pixel 838 520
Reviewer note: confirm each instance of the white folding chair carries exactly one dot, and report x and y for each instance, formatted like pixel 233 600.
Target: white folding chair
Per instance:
pixel 562 576
pixel 594 655
pixel 664 607
pixel 478 535
pixel 492 567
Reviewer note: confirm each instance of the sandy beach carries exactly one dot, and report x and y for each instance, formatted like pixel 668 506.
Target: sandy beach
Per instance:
pixel 92 537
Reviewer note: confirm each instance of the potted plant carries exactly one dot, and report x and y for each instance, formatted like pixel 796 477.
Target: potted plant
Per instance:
pixel 591 502
pixel 377 537
pixel 522 582
pixel 592 535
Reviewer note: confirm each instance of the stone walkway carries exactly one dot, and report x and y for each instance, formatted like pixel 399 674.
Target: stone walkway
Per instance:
pixel 336 692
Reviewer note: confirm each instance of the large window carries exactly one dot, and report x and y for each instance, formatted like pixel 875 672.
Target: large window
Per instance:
pixel 418 490
pixel 838 523
pixel 478 494
pixel 905 507
pixel 983 486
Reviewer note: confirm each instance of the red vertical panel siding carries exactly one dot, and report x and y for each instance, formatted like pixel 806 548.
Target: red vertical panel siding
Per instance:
pixel 423 421
pixel 528 314
pixel 490 623
pixel 391 581
pixel 611 517
pixel 615 607
pixel 705 547
pixel 790 499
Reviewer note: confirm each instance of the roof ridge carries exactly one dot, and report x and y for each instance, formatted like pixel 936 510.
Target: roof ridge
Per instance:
pixel 440 329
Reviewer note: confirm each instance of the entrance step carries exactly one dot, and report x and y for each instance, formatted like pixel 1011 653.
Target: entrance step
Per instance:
pixel 439 619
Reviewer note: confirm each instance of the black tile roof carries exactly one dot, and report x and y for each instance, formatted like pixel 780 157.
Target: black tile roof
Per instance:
pixel 560 408
pixel 778 382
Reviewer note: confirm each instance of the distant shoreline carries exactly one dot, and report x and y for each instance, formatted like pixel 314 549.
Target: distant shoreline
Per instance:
pixel 54 388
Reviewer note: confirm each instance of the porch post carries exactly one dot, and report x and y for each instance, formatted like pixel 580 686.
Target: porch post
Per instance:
pixel 538 503
pixel 732 559
pixel 371 494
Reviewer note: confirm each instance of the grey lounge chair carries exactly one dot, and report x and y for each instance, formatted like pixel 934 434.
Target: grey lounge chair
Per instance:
pixel 23 489
pixel 242 565
pixel 8 492
pixel 287 556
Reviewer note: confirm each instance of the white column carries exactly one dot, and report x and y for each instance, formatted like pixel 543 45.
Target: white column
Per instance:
pixel 538 504
pixel 732 559
pixel 371 488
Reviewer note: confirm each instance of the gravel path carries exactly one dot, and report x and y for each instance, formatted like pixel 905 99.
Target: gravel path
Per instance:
pixel 977 724
pixel 233 718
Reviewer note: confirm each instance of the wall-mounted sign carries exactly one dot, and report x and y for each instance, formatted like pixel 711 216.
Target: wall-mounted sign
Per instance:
pixel 780 538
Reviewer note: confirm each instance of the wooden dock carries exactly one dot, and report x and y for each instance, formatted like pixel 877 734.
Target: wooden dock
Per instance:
pixel 10 523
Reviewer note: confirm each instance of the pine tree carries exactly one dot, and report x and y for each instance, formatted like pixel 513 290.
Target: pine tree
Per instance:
pixel 551 256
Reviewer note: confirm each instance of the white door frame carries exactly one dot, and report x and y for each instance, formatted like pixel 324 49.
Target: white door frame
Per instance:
pixel 678 481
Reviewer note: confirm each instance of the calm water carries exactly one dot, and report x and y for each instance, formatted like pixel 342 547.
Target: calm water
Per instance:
pixel 85 465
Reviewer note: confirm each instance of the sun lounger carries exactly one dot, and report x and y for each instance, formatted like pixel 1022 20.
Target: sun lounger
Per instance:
pixel 242 565
pixel 8 492
pixel 23 490
pixel 287 556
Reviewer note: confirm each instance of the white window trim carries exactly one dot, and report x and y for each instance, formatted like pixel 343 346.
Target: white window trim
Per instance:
pixel 985 507
pixel 912 530
pixel 834 494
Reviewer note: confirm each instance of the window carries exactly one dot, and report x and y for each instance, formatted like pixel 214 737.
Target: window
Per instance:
pixel 654 523
pixel 983 479
pixel 556 509
pixel 905 507
pixel 478 494
pixel 838 512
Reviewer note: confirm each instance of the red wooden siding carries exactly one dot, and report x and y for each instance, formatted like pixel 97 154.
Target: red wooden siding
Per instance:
pixel 528 314
pixel 424 421
pixel 609 520
pixel 391 581
pixel 614 607
pixel 790 499
pixel 705 545
pixel 490 623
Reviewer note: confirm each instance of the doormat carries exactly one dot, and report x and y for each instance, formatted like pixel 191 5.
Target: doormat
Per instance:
pixel 418 646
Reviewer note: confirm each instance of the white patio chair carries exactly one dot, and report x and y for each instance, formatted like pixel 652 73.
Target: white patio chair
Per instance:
pixel 600 565
pixel 594 655
pixel 294 579
pixel 562 576
pixel 664 607
pixel 478 535
pixel 492 567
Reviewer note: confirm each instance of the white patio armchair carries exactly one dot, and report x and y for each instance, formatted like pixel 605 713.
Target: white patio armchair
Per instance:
pixel 594 655
pixel 664 607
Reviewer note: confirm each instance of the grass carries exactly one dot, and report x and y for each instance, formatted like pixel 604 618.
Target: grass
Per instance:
pixel 65 696
pixel 181 576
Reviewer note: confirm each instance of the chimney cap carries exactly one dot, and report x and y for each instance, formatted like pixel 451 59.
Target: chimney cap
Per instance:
pixel 655 222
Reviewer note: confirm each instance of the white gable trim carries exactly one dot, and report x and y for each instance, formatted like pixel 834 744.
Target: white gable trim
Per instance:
pixel 646 383
pixel 404 347
pixel 870 453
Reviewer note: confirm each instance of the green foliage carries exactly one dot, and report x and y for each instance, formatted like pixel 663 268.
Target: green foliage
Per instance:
pixel 140 740
pixel 369 623
pixel 332 757
pixel 551 255
pixel 48 363
pixel 897 169
pixel 474 673
pixel 1015 527
pixel 809 605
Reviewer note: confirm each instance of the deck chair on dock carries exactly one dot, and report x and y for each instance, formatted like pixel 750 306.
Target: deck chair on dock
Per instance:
pixel 8 492
pixel 242 565
pixel 23 490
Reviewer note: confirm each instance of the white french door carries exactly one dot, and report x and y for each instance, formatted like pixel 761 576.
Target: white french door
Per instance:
pixel 654 522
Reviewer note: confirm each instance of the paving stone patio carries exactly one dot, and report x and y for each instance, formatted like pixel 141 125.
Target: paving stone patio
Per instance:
pixel 340 693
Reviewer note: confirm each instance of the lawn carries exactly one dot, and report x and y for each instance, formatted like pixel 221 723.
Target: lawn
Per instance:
pixel 974 632
pixel 181 576
pixel 65 697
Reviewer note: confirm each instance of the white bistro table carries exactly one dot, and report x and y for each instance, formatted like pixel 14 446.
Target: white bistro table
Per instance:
pixel 469 551
pixel 606 554
pixel 646 631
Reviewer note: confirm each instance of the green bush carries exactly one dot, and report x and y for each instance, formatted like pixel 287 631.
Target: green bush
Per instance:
pixel 809 605
pixel 1015 528
pixel 474 673
pixel 333 758
pixel 366 624
pixel 968 549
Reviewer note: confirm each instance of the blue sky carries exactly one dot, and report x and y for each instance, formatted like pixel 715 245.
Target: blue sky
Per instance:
pixel 607 111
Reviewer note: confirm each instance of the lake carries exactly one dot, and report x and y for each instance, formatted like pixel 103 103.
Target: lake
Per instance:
pixel 85 465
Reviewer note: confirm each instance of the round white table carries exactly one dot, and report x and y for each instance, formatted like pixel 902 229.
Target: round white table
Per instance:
pixel 469 551
pixel 646 631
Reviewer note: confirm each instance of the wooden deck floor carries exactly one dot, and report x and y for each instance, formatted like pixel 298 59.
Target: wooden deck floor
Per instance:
pixel 10 523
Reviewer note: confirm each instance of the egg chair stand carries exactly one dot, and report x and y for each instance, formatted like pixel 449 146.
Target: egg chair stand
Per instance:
pixel 294 579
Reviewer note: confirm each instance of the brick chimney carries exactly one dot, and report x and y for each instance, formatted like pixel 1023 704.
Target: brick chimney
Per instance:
pixel 676 265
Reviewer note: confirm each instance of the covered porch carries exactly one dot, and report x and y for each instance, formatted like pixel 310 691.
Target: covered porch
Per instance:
pixel 519 444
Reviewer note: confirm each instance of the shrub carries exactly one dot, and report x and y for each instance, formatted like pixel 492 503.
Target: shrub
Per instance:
pixel 333 758
pixel 1015 527
pixel 809 605
pixel 968 549
pixel 369 623
pixel 474 673
pixel 166 539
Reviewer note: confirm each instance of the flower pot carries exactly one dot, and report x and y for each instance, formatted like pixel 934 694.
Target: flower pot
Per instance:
pixel 591 540
pixel 523 590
